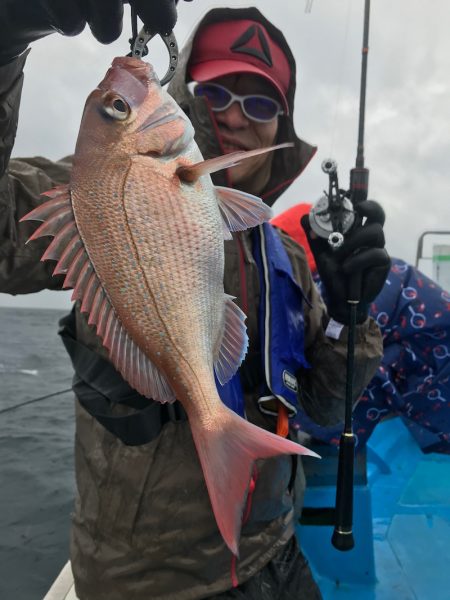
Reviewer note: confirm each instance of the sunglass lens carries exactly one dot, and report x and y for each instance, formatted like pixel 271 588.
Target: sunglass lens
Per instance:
pixel 218 97
pixel 261 108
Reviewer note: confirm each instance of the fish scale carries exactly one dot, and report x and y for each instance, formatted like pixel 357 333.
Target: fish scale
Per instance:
pixel 139 233
pixel 187 309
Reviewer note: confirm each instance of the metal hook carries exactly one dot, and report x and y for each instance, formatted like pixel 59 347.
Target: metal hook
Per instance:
pixel 139 49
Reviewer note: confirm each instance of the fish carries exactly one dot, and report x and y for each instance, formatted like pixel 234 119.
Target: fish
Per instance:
pixel 138 235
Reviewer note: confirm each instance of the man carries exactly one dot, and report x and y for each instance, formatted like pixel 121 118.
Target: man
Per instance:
pixel 412 380
pixel 143 526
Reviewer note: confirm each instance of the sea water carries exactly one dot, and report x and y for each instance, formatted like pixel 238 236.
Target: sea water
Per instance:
pixel 36 452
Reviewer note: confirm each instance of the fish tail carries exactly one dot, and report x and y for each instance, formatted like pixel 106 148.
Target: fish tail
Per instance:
pixel 227 454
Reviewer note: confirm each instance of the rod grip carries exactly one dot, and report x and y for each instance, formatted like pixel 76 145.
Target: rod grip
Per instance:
pixel 354 287
pixel 342 538
pixel 359 184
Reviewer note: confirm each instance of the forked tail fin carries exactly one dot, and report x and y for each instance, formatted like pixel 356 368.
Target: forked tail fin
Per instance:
pixel 227 454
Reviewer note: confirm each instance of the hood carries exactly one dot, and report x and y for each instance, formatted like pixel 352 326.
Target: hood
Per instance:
pixel 288 163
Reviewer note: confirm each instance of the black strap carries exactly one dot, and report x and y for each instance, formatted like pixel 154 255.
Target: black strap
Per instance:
pixel 99 387
pixel 252 372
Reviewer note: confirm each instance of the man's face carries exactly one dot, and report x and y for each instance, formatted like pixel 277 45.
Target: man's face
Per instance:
pixel 238 132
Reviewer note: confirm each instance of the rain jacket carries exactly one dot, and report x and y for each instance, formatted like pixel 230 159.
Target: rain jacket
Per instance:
pixel 143 525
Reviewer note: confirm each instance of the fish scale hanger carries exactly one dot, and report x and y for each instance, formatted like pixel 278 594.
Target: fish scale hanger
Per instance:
pixel 139 41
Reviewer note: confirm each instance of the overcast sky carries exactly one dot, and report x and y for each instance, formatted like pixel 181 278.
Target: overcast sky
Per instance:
pixel 407 141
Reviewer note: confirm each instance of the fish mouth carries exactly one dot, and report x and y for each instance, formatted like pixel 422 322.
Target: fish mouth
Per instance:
pixel 142 71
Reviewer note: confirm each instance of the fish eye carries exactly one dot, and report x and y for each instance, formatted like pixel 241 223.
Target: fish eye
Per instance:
pixel 116 107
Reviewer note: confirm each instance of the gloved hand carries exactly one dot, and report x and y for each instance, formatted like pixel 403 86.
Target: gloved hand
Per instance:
pixel 159 16
pixel 358 269
pixel 25 21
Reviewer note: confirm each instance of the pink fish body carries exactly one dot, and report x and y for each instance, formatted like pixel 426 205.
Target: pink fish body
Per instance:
pixel 139 236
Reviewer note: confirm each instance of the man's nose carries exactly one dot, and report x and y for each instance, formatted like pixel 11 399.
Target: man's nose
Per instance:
pixel 232 117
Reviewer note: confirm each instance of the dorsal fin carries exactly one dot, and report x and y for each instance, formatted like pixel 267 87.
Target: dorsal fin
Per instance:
pixel 53 224
pixel 68 249
pixel 232 346
pixel 89 293
pixel 60 241
pixel 43 211
pixel 241 210
pixel 191 173
pixel 77 263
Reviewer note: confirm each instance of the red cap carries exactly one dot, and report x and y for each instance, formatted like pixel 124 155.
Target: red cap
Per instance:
pixel 241 46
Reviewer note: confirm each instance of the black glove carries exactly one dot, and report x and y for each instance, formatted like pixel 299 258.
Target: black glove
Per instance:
pixel 159 16
pixel 25 21
pixel 358 269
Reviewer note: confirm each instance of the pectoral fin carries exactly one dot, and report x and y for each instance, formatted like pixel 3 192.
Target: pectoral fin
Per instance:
pixel 241 210
pixel 191 173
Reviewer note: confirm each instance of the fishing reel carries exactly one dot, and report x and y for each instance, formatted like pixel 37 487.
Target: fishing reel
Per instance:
pixel 333 215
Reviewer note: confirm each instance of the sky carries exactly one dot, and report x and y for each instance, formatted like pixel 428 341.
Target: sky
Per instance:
pixel 407 133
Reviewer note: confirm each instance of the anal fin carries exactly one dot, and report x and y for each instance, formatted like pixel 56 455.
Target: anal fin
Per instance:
pixel 232 346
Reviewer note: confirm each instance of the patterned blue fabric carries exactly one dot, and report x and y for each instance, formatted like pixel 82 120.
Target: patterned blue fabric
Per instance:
pixel 413 381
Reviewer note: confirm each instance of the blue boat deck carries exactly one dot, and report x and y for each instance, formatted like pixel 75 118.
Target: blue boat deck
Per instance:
pixel 401 522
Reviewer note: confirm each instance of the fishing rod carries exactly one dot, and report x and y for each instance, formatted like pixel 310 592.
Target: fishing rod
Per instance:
pixel 332 217
pixel 34 400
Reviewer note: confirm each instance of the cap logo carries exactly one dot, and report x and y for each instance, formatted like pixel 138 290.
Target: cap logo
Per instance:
pixel 259 47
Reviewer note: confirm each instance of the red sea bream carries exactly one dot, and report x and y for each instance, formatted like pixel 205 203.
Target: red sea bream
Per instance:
pixel 139 235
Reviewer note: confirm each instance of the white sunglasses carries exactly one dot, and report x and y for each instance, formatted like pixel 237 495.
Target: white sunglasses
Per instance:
pixel 256 107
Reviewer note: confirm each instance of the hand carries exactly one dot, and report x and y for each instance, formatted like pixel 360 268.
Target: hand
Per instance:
pixel 159 16
pixel 25 21
pixel 358 269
